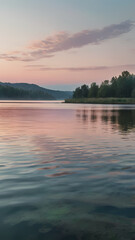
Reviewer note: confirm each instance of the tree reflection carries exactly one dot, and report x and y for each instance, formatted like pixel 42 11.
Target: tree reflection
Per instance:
pixel 121 119
pixel 83 115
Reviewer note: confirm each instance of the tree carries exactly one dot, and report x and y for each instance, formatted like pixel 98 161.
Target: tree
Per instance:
pixel 124 84
pixel 122 87
pixel 125 74
pixel 77 93
pixel 93 91
pixel 85 90
pixel 104 90
pixel 133 93
pixel 113 87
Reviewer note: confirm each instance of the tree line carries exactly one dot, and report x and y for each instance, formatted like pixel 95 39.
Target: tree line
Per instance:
pixel 122 86
pixel 8 92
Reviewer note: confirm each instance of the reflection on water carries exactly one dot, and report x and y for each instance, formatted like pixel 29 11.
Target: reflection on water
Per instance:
pixel 67 171
pixel 122 119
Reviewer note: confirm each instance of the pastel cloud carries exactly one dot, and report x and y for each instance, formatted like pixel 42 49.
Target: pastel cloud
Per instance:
pixel 63 41
pixel 73 69
pixel 78 69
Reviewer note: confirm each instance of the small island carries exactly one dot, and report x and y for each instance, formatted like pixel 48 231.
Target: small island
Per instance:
pixel 120 90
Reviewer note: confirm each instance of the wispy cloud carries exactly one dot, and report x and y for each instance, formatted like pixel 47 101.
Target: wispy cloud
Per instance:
pixel 73 69
pixel 78 69
pixel 63 41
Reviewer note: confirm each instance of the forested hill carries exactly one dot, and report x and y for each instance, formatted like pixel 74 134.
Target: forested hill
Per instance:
pixel 27 91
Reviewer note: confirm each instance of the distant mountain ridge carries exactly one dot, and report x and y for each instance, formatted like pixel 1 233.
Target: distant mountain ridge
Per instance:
pixel 31 91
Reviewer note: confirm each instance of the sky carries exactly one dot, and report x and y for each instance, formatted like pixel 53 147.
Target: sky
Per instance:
pixel 63 44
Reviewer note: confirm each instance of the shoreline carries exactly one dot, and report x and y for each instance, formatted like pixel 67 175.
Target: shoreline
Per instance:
pixel 101 100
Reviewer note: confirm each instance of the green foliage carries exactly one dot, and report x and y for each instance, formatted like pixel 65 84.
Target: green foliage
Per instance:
pixel 81 92
pixel 85 91
pixel 104 90
pixel 93 90
pixel 133 93
pixel 119 87
pixel 8 92
pixel 28 91
pixel 77 93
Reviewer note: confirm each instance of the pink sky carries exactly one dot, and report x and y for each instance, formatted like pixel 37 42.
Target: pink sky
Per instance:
pixel 40 45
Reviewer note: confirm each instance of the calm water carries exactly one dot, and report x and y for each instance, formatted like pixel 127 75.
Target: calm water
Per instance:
pixel 67 172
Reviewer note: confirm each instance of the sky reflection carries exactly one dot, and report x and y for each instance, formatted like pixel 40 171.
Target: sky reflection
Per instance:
pixel 64 166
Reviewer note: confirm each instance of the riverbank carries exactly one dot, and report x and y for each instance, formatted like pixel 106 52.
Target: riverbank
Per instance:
pixel 102 100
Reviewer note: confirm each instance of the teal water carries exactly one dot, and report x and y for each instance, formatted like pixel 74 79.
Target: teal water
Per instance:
pixel 67 171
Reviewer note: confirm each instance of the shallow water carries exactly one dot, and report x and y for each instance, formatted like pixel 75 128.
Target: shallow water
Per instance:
pixel 67 171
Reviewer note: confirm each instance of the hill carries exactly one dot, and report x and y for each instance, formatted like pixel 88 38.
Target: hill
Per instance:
pixel 30 92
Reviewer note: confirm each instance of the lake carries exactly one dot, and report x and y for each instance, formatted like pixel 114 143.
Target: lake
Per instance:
pixel 67 172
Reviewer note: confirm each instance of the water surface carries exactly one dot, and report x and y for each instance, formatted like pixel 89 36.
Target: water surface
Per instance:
pixel 67 171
